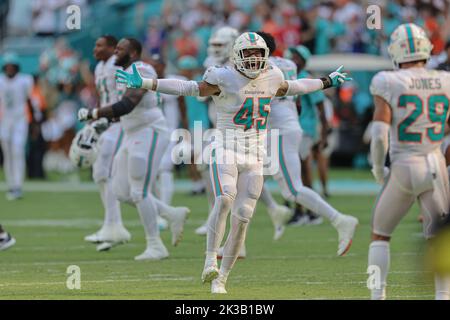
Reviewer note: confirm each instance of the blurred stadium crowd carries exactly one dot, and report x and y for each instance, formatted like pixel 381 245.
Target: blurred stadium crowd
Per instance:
pixel 62 64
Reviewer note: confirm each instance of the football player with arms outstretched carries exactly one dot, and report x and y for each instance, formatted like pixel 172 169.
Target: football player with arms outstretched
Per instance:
pixel 242 94
pixel 411 109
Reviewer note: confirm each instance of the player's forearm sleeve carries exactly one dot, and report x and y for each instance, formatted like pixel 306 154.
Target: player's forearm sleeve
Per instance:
pixel 177 87
pixel 303 86
pixel 379 143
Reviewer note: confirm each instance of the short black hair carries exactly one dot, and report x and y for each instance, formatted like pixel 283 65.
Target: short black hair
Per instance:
pixel 447 45
pixel 111 41
pixel 270 41
pixel 135 45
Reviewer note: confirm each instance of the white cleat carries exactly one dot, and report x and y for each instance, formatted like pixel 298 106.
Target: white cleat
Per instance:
pixel 115 233
pixel 345 226
pixel 280 215
pixel 210 272
pixel 162 223
pixel 155 251
pixel 7 242
pixel 94 238
pixel 218 285
pixel 178 219
pixel 202 230
pixel 242 253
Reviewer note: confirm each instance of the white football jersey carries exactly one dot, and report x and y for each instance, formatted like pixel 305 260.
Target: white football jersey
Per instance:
pixel 419 100
pixel 211 62
pixel 171 109
pixel 148 111
pixel 13 96
pixel 243 106
pixel 284 115
pixel 109 91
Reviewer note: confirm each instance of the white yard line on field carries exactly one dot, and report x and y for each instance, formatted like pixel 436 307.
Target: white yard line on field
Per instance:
pixel 336 186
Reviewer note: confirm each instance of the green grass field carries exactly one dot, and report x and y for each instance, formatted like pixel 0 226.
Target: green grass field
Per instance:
pixel 50 226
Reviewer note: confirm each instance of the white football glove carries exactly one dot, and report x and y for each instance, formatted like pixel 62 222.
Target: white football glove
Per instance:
pixel 380 174
pixel 85 114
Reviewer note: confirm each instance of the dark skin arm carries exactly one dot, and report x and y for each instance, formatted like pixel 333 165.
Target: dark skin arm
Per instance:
pixel 135 95
pixel 323 120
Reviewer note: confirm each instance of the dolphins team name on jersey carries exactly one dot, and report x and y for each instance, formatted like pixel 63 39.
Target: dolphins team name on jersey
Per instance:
pixel 419 100
pixel 284 115
pixel 13 96
pixel 147 112
pixel 108 89
pixel 243 105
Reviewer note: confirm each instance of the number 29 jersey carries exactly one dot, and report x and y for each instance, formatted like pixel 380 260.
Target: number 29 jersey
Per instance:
pixel 243 106
pixel 419 101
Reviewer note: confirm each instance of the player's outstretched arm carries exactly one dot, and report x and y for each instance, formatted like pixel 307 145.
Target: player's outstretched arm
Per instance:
pixel 305 86
pixel 168 86
pixel 379 143
pixel 130 99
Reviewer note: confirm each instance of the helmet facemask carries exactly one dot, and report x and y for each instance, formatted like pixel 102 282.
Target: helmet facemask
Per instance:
pixel 252 65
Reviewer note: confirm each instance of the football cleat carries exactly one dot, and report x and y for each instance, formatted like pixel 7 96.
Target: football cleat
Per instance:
pixel 280 215
pixel 15 194
pixel 7 242
pixel 202 230
pixel 115 233
pixel 210 270
pixel 155 251
pixel 178 219
pixel 345 226
pixel 218 285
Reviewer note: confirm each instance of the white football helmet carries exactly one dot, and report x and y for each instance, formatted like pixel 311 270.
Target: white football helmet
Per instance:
pixel 220 44
pixel 250 66
pixel 83 150
pixel 409 42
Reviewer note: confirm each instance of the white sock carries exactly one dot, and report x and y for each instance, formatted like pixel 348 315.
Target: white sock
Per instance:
pixel 18 166
pixel 206 176
pixel 442 287
pixel 379 256
pixel 267 199
pixel 7 163
pixel 148 212
pixel 312 201
pixel 166 186
pixel 233 245
pixel 217 222
pixel 110 204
